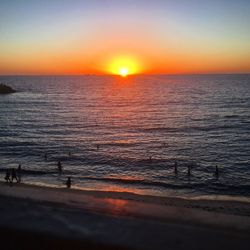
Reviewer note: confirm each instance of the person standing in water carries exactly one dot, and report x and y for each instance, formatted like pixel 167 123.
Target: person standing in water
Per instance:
pixel 19 169
pixel 150 158
pixel 175 168
pixel 13 175
pixel 59 166
pixel 216 171
pixel 7 176
pixel 68 182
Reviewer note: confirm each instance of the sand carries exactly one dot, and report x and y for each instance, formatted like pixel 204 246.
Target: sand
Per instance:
pixel 119 220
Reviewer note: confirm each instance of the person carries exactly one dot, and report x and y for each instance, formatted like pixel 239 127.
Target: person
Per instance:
pixel 216 171
pixel 68 182
pixel 59 165
pixel 7 176
pixel 19 169
pixel 97 146
pixel 189 170
pixel 13 175
pixel 45 156
pixel 150 158
pixel 175 168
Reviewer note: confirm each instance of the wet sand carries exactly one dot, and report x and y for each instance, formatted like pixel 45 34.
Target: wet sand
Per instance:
pixel 119 220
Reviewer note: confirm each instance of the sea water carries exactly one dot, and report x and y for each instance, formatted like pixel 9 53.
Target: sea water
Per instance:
pixel 125 134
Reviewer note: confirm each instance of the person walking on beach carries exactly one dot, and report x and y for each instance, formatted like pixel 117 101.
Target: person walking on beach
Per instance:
pixel 59 166
pixel 19 169
pixel 68 182
pixel 13 175
pixel 7 176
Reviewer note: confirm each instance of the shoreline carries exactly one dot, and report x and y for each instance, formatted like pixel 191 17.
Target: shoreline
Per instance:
pixel 136 186
pixel 218 204
pixel 146 193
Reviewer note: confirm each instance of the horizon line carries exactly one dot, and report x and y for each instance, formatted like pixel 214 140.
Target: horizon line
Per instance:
pixel 131 75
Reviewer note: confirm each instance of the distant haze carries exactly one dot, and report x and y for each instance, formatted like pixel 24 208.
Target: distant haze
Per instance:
pixel 160 36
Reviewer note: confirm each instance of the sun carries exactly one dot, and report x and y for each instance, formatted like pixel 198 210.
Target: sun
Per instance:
pixel 123 72
pixel 123 66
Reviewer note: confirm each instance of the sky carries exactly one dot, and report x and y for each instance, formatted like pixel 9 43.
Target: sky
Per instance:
pixel 103 36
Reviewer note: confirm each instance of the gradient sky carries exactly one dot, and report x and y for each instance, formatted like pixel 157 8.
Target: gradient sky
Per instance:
pixel 160 36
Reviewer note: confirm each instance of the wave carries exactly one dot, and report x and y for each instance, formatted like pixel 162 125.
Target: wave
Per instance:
pixel 189 129
pixel 32 172
pixel 231 116
pixel 232 189
pixel 136 181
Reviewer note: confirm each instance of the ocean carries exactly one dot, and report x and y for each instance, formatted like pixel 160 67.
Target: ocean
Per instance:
pixel 125 134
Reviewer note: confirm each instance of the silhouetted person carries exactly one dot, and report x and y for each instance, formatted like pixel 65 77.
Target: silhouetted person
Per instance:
pixel 7 176
pixel 189 170
pixel 45 156
pixel 97 146
pixel 150 158
pixel 13 175
pixel 68 182
pixel 175 168
pixel 59 166
pixel 216 171
pixel 69 153
pixel 19 169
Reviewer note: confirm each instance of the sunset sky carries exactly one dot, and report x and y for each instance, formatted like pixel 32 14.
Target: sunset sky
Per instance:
pixel 103 36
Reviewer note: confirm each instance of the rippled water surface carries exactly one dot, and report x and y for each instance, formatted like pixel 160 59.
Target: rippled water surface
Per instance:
pixel 201 121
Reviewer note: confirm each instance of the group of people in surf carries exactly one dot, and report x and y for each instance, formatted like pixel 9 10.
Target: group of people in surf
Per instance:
pixel 60 169
pixel 13 174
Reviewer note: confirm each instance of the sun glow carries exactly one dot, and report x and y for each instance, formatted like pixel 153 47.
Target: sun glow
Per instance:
pixel 123 66
pixel 123 72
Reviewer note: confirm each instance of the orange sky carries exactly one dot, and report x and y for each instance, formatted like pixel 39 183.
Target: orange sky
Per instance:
pixel 60 37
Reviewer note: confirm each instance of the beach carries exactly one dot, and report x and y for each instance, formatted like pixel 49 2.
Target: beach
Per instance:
pixel 120 220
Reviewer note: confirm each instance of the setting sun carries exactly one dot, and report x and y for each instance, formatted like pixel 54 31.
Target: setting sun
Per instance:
pixel 123 66
pixel 124 72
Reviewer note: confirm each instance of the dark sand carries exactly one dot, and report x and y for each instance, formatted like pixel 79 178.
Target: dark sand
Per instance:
pixel 47 218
